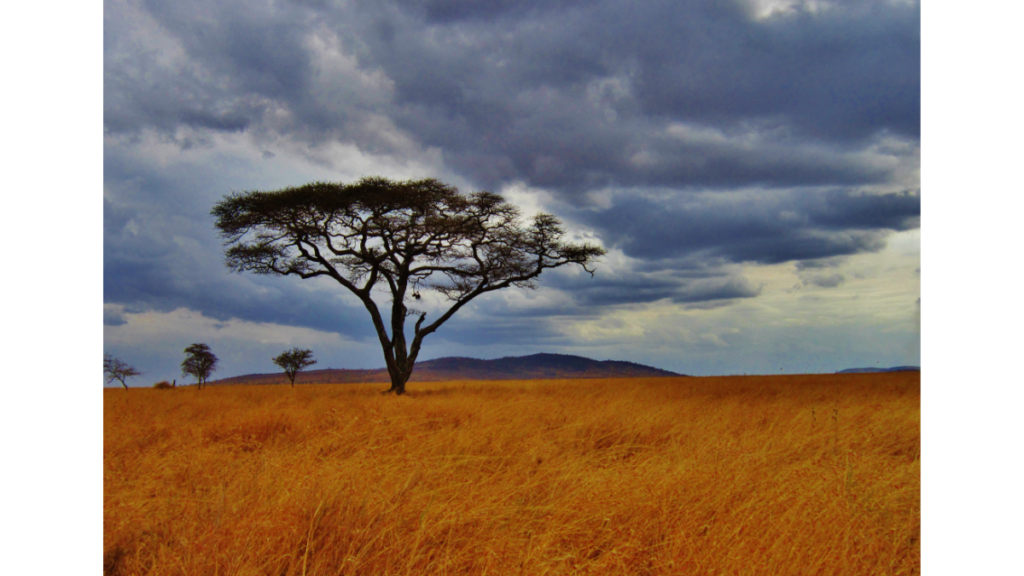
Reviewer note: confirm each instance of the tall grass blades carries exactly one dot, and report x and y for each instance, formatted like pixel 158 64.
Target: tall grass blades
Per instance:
pixel 655 476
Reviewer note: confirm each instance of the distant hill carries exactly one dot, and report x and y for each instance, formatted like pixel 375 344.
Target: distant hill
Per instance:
pixel 895 369
pixel 534 367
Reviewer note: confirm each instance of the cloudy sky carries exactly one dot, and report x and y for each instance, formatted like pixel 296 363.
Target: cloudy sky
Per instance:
pixel 788 115
pixel 751 166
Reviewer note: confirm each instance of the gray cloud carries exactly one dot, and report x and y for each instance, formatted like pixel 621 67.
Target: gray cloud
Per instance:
pixel 569 97
pixel 496 322
pixel 161 253
pixel 820 263
pixel 450 11
pixel 839 75
pixel 823 280
pixel 640 287
pixel 113 317
pixel 760 228
pixel 816 272
pixel 719 138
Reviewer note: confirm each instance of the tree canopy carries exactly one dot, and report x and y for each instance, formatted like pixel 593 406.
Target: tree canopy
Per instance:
pixel 199 363
pixel 404 238
pixel 294 360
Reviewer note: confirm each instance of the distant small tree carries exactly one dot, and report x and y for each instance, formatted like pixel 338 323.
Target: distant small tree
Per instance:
pixel 199 363
pixel 117 369
pixel 294 360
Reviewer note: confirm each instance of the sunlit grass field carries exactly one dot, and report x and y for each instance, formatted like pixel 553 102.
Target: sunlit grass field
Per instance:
pixel 727 475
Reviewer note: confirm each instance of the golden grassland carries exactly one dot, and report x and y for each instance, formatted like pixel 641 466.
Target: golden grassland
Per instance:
pixel 726 475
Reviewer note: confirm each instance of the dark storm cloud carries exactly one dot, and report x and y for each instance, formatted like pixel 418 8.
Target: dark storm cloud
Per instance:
pixel 207 86
pixel 839 75
pixel 845 210
pixel 670 107
pixel 112 317
pixel 638 287
pixel 567 96
pixel 820 263
pixel 146 284
pixel 824 280
pixel 161 253
pixel 766 229
pixel 449 11
pixel 225 67
pixel 577 98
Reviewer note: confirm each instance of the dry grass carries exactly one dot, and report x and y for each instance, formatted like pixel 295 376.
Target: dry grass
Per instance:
pixel 744 475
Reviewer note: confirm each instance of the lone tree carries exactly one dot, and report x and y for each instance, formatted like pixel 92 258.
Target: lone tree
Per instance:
pixel 199 363
pixel 294 360
pixel 405 237
pixel 117 369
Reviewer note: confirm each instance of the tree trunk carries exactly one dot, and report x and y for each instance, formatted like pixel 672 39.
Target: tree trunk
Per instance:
pixel 397 385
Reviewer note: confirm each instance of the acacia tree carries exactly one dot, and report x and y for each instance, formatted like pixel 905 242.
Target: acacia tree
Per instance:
pixel 117 369
pixel 294 360
pixel 402 237
pixel 199 363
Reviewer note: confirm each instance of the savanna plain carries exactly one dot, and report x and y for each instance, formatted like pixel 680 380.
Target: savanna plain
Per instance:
pixel 816 474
